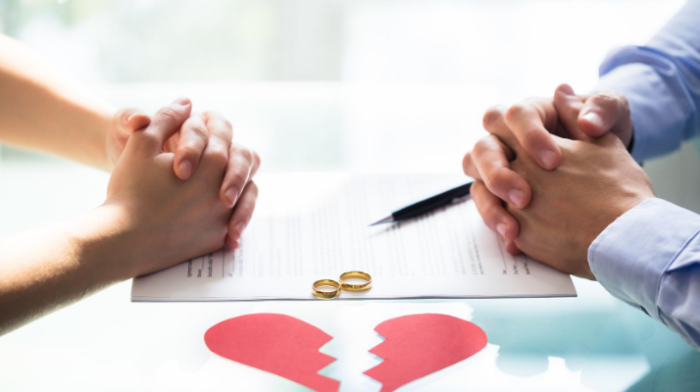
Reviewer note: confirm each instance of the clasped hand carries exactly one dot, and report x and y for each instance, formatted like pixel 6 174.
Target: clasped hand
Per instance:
pixel 554 173
pixel 180 186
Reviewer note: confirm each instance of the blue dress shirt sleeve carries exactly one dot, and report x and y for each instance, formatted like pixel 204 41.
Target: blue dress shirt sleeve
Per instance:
pixel 661 81
pixel 650 258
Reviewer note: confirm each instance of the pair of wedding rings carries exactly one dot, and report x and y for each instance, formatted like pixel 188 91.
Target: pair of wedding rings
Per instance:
pixel 337 286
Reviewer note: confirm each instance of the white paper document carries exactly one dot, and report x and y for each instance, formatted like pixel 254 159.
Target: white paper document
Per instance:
pixel 315 226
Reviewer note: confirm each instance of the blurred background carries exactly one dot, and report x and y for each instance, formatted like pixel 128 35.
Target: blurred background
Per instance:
pixel 333 84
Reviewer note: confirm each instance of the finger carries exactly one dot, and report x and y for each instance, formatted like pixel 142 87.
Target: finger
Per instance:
pixel 216 155
pixel 604 112
pixel 568 106
pixel 241 215
pixel 493 213
pixel 166 122
pixel 123 125
pixel 219 128
pixel 469 167
pixel 495 124
pixel 256 164
pixel 240 164
pixel 491 158
pixel 529 121
pixel 130 120
pixel 511 248
pixel 193 139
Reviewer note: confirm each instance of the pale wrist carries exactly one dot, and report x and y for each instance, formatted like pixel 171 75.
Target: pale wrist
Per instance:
pixel 106 239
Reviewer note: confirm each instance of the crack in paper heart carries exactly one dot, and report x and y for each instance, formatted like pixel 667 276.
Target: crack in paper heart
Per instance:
pixel 414 346
pixel 275 343
pixel 420 344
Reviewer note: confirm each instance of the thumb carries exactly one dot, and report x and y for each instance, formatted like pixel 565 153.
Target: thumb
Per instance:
pixel 605 112
pixel 128 121
pixel 123 124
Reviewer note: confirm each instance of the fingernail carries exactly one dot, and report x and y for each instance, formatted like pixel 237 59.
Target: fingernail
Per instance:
pixel 185 169
pixel 515 196
pixel 501 229
pixel 183 101
pixel 232 195
pixel 547 157
pixel 132 115
pixel 594 119
pixel 239 228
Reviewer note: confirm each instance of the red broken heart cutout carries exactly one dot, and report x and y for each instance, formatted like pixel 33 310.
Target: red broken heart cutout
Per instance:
pixel 414 346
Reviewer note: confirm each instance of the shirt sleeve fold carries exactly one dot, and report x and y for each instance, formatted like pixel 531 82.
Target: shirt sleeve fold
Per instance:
pixel 650 258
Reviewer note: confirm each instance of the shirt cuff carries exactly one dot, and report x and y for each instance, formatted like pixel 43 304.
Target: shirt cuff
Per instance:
pixel 630 256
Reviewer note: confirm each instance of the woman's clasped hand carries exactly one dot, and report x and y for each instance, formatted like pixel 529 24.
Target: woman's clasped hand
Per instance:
pixel 166 219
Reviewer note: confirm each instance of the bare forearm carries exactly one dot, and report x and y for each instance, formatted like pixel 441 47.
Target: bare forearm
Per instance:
pixel 46 269
pixel 42 110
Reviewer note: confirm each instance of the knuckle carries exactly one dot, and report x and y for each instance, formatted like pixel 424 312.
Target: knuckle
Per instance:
pixel 199 130
pixel 534 138
pixel 239 178
pixel 149 137
pixel 217 155
pixel 245 153
pixel 606 99
pixel 188 150
pixel 623 101
pixel 253 188
pixel 247 209
pixel 481 147
pixel 168 113
pixel 491 116
pixel 516 111
pixel 216 116
pixel 496 179
pixel 492 211
pixel 466 162
pixel 624 105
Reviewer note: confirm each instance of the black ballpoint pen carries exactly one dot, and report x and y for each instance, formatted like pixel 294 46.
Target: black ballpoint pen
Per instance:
pixel 427 205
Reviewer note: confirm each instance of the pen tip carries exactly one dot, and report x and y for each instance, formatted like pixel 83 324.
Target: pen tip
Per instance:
pixel 388 219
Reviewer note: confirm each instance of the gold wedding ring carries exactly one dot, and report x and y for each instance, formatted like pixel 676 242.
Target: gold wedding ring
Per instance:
pixel 356 286
pixel 326 294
